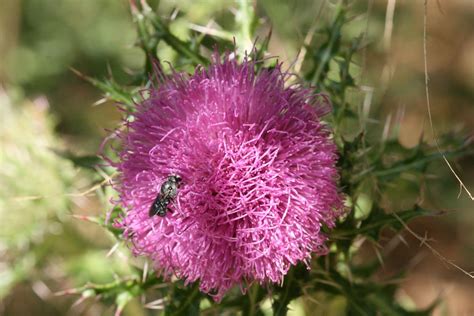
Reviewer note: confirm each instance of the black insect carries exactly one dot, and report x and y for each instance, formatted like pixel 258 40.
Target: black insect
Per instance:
pixel 168 191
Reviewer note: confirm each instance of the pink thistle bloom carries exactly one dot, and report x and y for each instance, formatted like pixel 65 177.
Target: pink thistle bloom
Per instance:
pixel 258 176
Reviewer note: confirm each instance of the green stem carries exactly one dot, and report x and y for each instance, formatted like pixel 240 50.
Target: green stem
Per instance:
pixel 246 19
pixel 280 306
pixel 189 299
pixel 326 55
pixel 177 44
pixel 251 308
pixel 162 32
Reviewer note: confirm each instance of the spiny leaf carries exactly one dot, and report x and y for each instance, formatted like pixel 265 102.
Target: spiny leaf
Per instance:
pixel 364 297
pixel 120 291
pixel 178 45
pixel 327 50
pixel 417 162
pixel 106 222
pixel 112 90
pixel 162 32
pixel 377 220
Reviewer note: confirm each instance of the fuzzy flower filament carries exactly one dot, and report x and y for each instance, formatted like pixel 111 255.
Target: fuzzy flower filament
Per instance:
pixel 258 176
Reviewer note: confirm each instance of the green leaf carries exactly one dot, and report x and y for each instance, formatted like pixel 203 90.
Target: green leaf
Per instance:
pixel 327 50
pixel 106 221
pixel 184 300
pixel 417 162
pixel 365 298
pixel 162 32
pixel 383 302
pixel 291 289
pixel 377 220
pixel 120 291
pixel 112 90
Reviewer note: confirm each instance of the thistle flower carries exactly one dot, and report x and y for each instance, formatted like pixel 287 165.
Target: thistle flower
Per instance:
pixel 258 176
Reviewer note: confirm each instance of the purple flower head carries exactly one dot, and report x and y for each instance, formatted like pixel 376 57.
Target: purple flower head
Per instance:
pixel 258 176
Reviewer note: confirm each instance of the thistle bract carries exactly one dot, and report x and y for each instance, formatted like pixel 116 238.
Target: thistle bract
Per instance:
pixel 258 175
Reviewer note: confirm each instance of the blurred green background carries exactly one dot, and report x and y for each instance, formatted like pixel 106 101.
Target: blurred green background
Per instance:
pixel 45 108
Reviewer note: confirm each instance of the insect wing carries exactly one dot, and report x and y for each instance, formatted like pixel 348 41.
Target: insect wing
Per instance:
pixel 156 206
